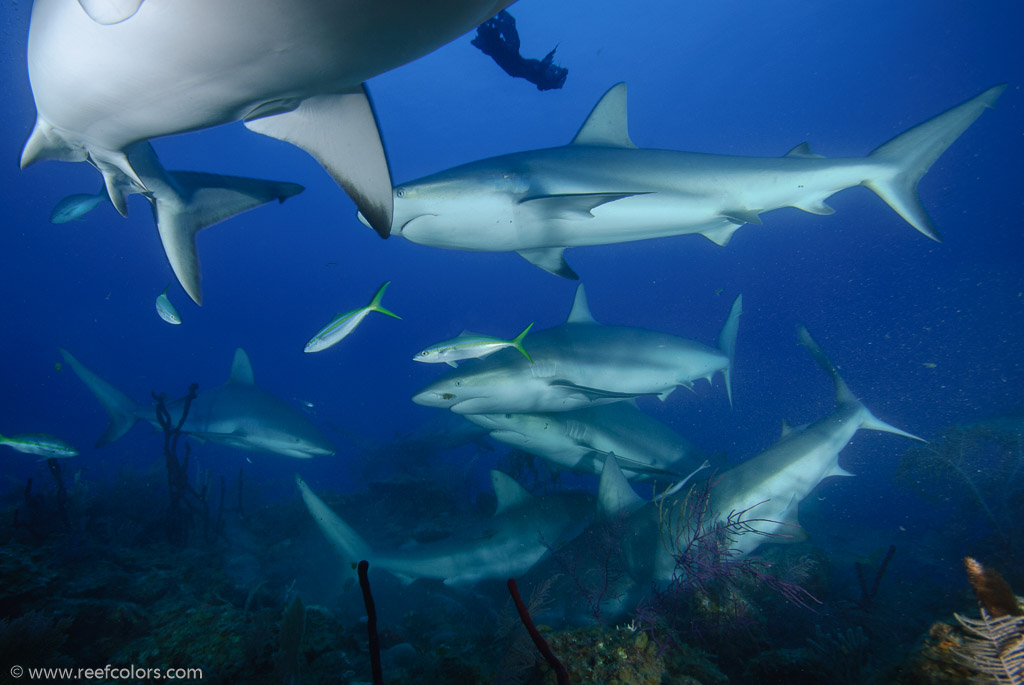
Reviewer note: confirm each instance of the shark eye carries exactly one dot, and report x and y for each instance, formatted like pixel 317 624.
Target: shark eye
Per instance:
pixel 400 192
pixel 458 383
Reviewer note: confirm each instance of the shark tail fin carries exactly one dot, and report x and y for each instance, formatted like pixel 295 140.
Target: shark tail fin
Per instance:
pixel 843 393
pixel 204 200
pixel 902 161
pixel 517 342
pixel 375 304
pixel 339 533
pixel 727 342
pixel 122 409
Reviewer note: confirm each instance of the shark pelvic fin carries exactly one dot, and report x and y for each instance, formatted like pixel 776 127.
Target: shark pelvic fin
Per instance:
pixel 121 408
pixel 45 143
pixel 339 131
pixel 615 495
pixel 607 125
pixel 551 259
pixel 202 200
pixel 721 235
pixel 508 492
pixel 241 368
pixel 580 312
pixel 902 161
pixel 109 12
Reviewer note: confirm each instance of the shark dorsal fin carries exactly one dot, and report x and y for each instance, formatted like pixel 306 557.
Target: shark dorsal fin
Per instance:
pixel 786 428
pixel 804 150
pixel 580 312
pixel 508 492
pixel 614 494
pixel 606 126
pixel 241 368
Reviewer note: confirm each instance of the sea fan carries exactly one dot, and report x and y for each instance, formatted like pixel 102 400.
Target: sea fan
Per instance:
pixel 998 649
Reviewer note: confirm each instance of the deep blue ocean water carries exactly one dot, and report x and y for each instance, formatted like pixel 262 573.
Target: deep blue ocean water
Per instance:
pixel 927 334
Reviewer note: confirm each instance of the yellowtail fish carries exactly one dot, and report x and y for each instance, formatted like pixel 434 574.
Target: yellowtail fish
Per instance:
pixel 166 310
pixel 46 446
pixel 74 207
pixel 470 346
pixel 343 324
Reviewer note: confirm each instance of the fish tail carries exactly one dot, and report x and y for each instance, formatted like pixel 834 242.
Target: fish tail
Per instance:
pixel 339 533
pixel 204 200
pixel 375 304
pixel 122 409
pixel 843 393
pixel 902 161
pixel 727 342
pixel 517 342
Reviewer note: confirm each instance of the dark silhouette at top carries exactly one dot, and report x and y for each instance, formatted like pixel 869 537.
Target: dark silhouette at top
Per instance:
pixel 498 38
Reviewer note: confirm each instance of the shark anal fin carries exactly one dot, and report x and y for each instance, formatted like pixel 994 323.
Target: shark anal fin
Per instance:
pixel 571 206
pixel 339 131
pixel 551 259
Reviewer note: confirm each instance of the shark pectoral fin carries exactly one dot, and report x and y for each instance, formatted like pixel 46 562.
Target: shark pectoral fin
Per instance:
pixel 204 200
pixel 606 126
pixel 742 216
pixel 838 470
pixel 598 393
pixel 570 206
pixel 109 12
pixel 614 493
pixel 804 150
pixel 339 131
pixel 640 467
pixel 508 492
pixel 721 235
pixel 551 259
pixel 339 533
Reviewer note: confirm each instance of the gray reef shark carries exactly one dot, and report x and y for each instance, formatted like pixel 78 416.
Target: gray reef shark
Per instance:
pixel 582 363
pixel 580 440
pixel 108 76
pixel 764 492
pixel 523 530
pixel 602 189
pixel 238 414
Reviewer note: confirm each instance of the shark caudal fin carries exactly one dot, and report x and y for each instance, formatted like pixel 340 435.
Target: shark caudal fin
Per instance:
pixel 907 157
pixel 843 394
pixel 352 547
pixel 122 409
pixel 203 200
pixel 727 342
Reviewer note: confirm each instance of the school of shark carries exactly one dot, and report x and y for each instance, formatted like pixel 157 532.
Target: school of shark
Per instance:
pixel 577 395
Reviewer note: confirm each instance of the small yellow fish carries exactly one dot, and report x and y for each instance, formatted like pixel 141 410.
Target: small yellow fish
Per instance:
pixel 929 365
pixel 57 366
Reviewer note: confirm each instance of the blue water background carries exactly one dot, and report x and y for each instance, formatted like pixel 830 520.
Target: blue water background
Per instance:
pixel 927 334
